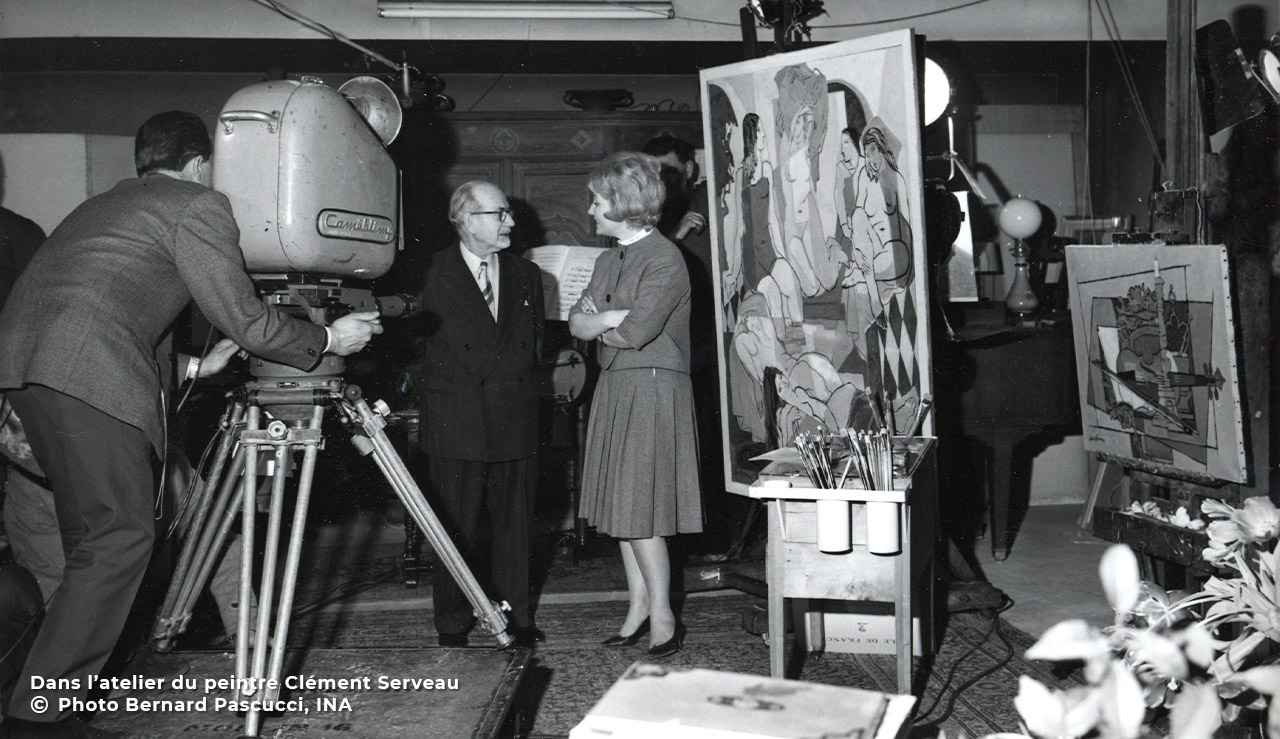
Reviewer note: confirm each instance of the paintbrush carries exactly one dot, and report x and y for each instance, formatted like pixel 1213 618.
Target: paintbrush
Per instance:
pixel 922 410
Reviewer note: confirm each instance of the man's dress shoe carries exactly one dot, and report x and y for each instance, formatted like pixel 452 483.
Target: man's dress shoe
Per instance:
pixel 453 640
pixel 526 636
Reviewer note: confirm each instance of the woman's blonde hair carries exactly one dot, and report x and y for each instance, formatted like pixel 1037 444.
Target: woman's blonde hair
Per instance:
pixel 632 183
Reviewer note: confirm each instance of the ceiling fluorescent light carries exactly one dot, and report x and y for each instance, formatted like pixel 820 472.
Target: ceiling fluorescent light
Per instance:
pixel 526 10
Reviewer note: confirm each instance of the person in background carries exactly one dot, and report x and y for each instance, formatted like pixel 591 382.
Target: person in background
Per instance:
pixel 21 609
pixel 640 470
pixel 692 220
pixel 684 222
pixel 479 328
pixel 19 237
pixel 79 333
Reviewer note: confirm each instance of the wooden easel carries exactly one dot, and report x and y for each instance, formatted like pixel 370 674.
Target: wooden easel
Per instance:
pixel 1170 555
pixel 1085 520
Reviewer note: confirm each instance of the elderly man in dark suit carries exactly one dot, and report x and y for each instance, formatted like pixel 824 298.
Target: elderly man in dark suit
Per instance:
pixel 77 341
pixel 480 333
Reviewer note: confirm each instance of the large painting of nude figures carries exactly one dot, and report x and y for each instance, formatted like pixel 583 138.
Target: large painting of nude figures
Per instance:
pixel 814 172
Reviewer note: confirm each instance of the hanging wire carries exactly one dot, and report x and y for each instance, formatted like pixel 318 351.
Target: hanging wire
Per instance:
pixel 321 28
pixel 1088 99
pixel 506 70
pixel 1113 31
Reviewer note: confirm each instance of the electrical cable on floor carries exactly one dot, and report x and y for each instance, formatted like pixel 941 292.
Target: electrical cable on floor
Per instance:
pixel 994 626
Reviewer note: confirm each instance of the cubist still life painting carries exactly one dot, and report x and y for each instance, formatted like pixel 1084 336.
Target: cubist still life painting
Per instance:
pixel 1156 358
pixel 814 172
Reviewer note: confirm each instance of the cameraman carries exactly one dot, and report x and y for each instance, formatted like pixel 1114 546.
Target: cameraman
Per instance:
pixel 77 337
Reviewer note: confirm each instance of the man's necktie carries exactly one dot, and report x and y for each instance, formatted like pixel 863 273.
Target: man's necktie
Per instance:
pixel 486 289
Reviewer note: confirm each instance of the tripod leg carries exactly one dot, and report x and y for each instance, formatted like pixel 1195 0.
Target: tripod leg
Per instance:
pixel 294 556
pixel 208 546
pixel 248 506
pixel 267 586
pixel 183 588
pixel 394 469
pixel 229 428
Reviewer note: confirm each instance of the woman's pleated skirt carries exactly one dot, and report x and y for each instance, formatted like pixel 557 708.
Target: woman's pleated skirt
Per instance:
pixel 640 472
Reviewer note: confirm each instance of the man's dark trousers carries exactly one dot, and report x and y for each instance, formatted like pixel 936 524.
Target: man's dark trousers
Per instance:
pixel 102 477
pixel 461 491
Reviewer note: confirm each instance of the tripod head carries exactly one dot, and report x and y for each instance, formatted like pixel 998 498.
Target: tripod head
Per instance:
pixel 321 301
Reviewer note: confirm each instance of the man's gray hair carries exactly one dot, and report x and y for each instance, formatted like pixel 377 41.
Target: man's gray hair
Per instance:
pixel 464 201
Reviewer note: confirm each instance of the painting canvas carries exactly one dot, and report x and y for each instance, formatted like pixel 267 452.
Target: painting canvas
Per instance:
pixel 815 175
pixel 1156 358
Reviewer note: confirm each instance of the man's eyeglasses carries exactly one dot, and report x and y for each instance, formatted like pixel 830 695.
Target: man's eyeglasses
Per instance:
pixel 502 213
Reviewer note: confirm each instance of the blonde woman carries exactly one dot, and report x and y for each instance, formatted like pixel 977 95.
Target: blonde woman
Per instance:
pixel 640 473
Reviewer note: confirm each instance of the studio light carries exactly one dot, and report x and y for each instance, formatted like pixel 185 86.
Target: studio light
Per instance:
pixel 937 91
pixel 486 9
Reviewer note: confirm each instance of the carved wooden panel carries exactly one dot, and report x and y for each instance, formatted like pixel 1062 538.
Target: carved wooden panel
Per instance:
pixel 541 160
pixel 556 193
pixel 465 171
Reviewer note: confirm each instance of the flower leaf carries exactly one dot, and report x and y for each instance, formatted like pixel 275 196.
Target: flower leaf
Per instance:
pixel 1069 640
pixel 1125 707
pixel 1039 707
pixel 1259 519
pixel 1051 713
pixel 1264 679
pixel 1120 580
pixel 1215 508
pixel 1162 653
pixel 1196 715
pixel 1198 645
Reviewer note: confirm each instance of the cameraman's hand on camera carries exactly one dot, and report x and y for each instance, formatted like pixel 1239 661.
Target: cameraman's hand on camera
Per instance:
pixel 216 359
pixel 352 332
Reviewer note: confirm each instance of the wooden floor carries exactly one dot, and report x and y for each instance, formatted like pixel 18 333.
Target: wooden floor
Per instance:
pixel 1052 571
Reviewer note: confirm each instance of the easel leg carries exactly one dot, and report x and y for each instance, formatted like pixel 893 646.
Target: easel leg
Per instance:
pixel 902 603
pixel 1086 515
pixel 774 575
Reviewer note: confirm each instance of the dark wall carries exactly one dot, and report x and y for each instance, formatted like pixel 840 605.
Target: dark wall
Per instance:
pixel 983 73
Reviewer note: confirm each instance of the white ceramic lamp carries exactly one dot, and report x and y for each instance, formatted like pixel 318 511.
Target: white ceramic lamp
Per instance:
pixel 1020 218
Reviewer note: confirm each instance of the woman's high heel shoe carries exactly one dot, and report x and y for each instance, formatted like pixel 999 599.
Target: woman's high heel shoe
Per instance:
pixel 618 640
pixel 670 646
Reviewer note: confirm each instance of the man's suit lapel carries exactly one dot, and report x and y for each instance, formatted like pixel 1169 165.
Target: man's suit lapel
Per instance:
pixel 470 303
pixel 510 290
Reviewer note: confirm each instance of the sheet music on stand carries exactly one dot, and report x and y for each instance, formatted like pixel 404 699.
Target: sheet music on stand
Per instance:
pixel 566 271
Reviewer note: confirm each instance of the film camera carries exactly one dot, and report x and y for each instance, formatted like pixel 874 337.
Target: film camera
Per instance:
pixel 316 196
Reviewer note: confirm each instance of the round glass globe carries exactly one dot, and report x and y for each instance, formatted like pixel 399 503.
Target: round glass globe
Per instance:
pixel 1020 218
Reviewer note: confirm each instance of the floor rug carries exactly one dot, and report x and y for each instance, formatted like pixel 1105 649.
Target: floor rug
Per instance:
pixel 968 686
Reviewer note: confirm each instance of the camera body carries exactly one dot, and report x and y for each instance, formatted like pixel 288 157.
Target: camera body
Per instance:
pixel 316 196
pixel 313 188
